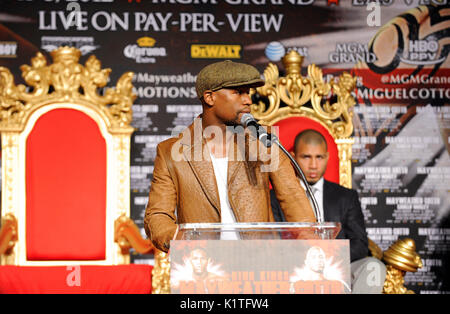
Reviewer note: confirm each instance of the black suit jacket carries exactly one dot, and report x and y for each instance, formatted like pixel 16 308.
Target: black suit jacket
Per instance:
pixel 339 205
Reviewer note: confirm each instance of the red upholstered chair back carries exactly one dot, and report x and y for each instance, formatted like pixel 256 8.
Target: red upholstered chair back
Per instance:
pixel 290 127
pixel 65 188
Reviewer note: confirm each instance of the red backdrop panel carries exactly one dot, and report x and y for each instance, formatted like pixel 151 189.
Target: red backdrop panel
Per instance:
pixel 290 127
pixel 65 188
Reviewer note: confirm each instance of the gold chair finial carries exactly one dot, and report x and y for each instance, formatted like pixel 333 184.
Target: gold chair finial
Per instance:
pixel 64 54
pixel 402 255
pixel 292 62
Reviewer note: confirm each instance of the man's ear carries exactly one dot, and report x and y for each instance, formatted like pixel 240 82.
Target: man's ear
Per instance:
pixel 208 97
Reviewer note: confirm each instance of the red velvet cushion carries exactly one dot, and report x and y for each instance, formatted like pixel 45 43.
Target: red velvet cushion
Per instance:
pixel 65 188
pixel 290 127
pixel 85 279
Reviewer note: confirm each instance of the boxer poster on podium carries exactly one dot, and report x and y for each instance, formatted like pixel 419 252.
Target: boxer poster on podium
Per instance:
pixel 260 267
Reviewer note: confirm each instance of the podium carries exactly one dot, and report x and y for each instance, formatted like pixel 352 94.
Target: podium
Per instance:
pixel 259 230
pixel 259 258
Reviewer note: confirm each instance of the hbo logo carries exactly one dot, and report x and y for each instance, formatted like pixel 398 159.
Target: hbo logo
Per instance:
pixel 422 49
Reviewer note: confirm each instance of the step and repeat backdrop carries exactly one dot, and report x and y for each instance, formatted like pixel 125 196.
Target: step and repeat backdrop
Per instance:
pixel 398 50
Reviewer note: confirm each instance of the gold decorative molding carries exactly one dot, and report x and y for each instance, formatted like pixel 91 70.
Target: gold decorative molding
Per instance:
pixel 296 91
pixel 344 146
pixel 10 185
pixel 161 273
pixel 400 258
pixel 310 97
pixel 121 147
pixel 8 234
pixel 65 80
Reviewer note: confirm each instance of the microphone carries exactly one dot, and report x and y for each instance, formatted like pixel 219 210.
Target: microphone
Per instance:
pixel 256 129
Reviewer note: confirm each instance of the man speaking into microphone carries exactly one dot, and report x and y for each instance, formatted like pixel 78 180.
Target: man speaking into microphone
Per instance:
pixel 213 171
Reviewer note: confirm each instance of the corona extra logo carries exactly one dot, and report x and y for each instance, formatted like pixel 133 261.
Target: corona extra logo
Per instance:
pixel 145 51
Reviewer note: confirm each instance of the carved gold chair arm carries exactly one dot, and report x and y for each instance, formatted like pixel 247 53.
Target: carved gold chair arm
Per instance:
pixel 8 234
pixel 127 235
pixel 375 250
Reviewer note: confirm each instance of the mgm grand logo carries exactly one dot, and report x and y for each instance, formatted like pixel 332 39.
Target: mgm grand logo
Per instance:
pixel 145 51
pixel 351 52
pixel 209 51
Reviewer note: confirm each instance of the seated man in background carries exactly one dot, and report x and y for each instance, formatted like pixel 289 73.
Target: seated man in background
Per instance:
pixel 337 204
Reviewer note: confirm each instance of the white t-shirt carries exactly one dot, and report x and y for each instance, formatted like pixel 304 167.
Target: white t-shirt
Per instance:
pixel 227 216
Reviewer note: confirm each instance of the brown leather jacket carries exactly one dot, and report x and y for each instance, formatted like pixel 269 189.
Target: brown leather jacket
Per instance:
pixel 184 190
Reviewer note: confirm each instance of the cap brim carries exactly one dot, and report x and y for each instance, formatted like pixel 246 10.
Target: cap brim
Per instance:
pixel 251 83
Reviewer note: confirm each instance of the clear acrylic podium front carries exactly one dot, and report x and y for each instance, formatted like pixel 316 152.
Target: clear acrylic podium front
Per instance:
pixel 258 231
pixel 280 258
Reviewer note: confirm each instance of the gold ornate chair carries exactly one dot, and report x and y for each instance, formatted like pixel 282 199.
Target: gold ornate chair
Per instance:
pixel 65 179
pixel 334 121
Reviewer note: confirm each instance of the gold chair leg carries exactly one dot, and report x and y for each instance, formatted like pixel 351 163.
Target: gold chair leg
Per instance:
pixel 161 273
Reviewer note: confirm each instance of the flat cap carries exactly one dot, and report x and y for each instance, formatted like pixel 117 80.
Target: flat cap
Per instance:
pixel 227 74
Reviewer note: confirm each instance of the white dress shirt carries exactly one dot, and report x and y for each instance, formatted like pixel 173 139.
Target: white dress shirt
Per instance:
pixel 317 190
